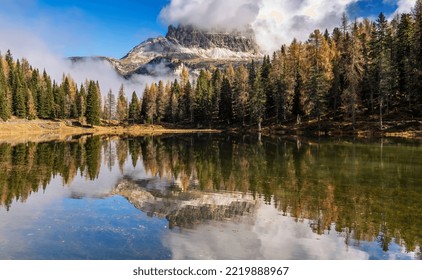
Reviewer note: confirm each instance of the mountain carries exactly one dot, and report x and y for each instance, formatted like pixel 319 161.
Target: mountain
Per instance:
pixel 187 45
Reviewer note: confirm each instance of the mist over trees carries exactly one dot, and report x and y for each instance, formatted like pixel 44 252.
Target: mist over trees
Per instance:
pixel 361 69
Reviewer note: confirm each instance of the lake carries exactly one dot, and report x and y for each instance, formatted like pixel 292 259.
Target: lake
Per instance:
pixel 210 196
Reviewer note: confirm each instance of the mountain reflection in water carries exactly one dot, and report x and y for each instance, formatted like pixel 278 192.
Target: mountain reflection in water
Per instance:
pixel 210 197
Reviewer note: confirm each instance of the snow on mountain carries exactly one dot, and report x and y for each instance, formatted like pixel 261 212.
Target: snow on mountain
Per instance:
pixel 186 45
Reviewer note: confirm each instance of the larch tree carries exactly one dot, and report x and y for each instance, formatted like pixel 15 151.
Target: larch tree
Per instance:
pixel 121 110
pixel 319 56
pixel 110 105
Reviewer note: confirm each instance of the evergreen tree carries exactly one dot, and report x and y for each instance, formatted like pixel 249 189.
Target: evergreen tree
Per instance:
pixel 217 80
pixel 257 100
pixel 92 105
pixel 172 111
pixel 30 106
pixel 404 59
pixel 417 56
pixel 81 102
pixel 19 106
pixel 121 109
pixel 226 106
pixel 270 105
pixel 241 93
pixel 4 108
pixel 110 105
pixel 161 101
pixel 189 101
pixel 320 74
pixel 134 111
pixel 296 65
pixel 384 65
pixel 204 93
pixel 354 69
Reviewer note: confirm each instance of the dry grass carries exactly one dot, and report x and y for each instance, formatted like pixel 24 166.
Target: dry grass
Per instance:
pixel 21 131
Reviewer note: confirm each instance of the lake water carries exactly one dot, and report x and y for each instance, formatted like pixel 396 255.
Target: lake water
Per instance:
pixel 210 197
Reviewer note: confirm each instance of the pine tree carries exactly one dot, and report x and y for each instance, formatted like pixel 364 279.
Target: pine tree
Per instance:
pixel 92 105
pixel 4 108
pixel 353 74
pixel 59 101
pixel 161 101
pixel 134 111
pixel 320 74
pixel 45 98
pixel 368 83
pixel 282 77
pixel 384 65
pixel 30 106
pixel 204 94
pixel 226 106
pixel 417 56
pixel 270 105
pixel 189 101
pixel 172 110
pixel 257 100
pixel 19 106
pixel 404 59
pixel 217 80
pixel 121 110
pixel 296 57
pixel 241 93
pixel 81 102
pixel 110 105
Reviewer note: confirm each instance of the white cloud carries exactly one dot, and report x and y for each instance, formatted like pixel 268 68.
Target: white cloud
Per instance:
pixel 214 13
pixel 405 6
pixel 264 235
pixel 23 44
pixel 274 21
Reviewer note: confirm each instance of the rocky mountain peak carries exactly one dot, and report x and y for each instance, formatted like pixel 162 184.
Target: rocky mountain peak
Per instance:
pixel 191 37
pixel 188 46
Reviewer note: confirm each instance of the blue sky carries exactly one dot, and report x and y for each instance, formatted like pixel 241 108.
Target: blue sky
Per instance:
pixel 110 28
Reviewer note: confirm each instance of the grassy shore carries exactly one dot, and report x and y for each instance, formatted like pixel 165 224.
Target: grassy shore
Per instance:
pixel 17 130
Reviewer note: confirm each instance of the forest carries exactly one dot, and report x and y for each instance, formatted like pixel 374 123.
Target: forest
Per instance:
pixel 361 70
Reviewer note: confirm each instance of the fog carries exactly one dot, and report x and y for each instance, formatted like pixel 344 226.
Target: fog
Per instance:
pixel 24 44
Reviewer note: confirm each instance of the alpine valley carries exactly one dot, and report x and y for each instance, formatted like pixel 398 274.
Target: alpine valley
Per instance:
pixel 185 45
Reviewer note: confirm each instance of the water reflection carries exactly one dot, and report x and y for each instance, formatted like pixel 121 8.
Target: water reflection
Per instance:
pixel 267 198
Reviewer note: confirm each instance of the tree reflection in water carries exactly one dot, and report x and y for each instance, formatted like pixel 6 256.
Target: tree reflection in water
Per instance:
pixel 363 191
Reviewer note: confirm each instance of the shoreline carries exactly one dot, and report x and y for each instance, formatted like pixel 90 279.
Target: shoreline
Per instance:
pixel 21 131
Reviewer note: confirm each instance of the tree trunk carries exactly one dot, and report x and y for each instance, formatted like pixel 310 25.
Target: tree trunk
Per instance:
pixel 353 115
pixel 381 113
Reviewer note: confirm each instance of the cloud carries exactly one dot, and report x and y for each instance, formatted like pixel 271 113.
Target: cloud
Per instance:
pixel 214 13
pixel 264 235
pixel 405 6
pixel 280 21
pixel 23 44
pixel 275 22
pixel 42 35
